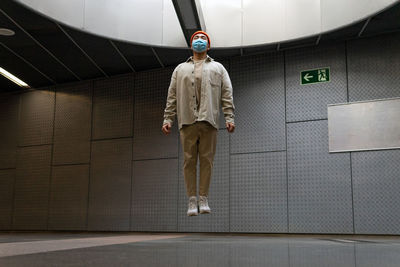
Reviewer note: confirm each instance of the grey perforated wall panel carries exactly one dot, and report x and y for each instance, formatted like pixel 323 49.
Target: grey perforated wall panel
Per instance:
pixel 258 192
pixel 95 179
pixel 36 117
pixel 319 183
pixel 32 184
pixel 9 109
pixel 374 67
pixel 7 179
pixel 113 108
pixel 151 89
pixel 72 126
pixel 258 96
pixel 376 178
pixel 68 197
pixel 218 195
pixel 308 102
pixel 110 185
pixel 154 195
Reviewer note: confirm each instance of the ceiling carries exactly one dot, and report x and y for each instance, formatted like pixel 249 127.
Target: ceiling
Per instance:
pixel 43 52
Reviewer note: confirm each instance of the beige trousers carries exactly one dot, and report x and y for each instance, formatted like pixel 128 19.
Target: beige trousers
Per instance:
pixel 198 140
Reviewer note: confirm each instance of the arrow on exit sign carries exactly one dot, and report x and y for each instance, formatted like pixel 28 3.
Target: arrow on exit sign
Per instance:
pixel 315 76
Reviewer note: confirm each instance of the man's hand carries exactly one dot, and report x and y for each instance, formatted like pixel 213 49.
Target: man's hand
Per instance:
pixel 230 127
pixel 166 128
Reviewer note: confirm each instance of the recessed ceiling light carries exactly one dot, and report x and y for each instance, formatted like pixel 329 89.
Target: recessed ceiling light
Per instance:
pixel 13 78
pixel 6 32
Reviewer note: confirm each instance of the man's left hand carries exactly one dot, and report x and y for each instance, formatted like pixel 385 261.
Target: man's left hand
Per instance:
pixel 230 127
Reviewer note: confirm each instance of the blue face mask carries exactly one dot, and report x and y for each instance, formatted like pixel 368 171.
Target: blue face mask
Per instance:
pixel 199 45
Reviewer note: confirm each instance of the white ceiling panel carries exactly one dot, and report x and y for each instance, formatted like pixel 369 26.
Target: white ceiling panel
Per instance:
pixel 338 13
pixel 223 19
pixel 69 12
pixel 230 23
pixel 303 18
pixel 136 20
pixel 263 21
pixel 172 31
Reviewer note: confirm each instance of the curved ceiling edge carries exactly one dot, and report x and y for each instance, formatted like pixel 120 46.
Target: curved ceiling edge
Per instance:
pixel 244 23
pixel 230 23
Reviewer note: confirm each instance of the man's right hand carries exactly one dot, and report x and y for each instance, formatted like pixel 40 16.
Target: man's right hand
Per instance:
pixel 166 128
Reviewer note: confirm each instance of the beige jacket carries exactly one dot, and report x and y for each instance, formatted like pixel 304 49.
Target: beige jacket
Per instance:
pixel 216 92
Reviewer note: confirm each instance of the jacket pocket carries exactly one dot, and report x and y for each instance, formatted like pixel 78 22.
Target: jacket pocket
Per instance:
pixel 215 78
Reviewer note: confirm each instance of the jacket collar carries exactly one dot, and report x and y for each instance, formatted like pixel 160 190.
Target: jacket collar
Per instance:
pixel 208 58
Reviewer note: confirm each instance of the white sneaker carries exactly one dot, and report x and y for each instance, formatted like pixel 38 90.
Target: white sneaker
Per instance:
pixel 203 204
pixel 192 209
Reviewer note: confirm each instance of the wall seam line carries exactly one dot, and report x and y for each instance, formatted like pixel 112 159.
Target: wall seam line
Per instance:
pixel 16 160
pixel 132 161
pixel 90 156
pixel 286 141
pixel 350 154
pixel 51 159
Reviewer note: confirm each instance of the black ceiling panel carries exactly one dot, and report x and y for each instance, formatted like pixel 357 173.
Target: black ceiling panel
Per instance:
pixel 53 39
pixel 7 86
pixel 219 53
pixel 259 49
pixel 65 54
pixel 172 57
pixel 345 33
pixel 188 17
pixel 299 43
pixel 24 46
pixel 140 57
pixel 388 20
pixel 101 51
pixel 20 69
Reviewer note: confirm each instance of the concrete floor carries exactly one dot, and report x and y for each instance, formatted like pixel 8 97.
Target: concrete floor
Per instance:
pixel 196 249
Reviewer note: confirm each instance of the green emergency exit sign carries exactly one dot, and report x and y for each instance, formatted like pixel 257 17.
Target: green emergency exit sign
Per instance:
pixel 315 76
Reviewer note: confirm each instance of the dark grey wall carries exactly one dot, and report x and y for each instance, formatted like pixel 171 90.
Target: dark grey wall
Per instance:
pixel 91 155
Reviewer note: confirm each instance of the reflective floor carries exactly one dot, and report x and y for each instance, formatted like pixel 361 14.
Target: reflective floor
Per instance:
pixel 196 249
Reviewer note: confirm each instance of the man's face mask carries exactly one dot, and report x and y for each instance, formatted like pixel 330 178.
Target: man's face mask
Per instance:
pixel 199 45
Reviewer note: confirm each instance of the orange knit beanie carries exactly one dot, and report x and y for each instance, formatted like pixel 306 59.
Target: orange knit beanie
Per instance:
pixel 208 37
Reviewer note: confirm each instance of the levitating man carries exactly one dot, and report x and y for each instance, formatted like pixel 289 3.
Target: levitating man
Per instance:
pixel 199 88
